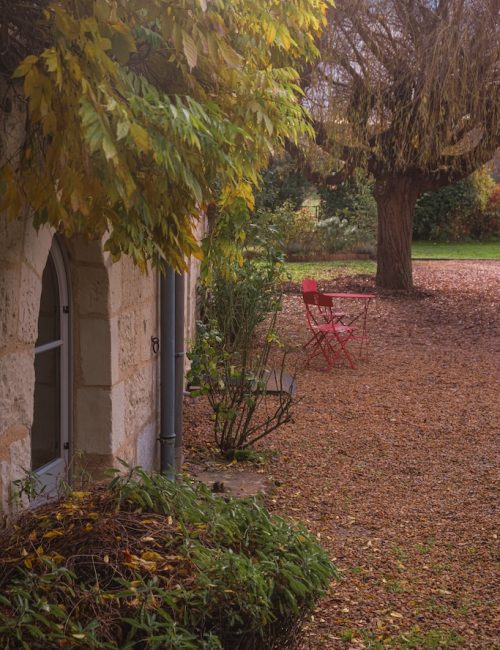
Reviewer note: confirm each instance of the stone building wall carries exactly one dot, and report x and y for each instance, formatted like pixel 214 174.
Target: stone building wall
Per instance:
pixel 20 279
pixel 114 312
pixel 115 370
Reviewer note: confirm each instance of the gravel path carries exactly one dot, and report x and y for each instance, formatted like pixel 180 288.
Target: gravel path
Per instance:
pixel 395 465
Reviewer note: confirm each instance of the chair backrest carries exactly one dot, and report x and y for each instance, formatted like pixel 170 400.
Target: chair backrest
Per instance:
pixel 308 284
pixel 309 297
pixel 324 305
pixel 324 301
pixel 311 302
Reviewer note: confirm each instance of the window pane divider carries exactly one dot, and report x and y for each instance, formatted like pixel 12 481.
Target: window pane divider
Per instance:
pixel 48 346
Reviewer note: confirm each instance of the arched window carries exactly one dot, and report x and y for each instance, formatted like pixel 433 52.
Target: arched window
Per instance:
pixel 50 429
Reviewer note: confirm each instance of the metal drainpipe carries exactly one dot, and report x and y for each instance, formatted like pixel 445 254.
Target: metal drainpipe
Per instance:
pixel 167 374
pixel 179 366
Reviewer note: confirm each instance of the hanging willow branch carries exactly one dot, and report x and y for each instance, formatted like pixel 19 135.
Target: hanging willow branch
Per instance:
pixel 409 86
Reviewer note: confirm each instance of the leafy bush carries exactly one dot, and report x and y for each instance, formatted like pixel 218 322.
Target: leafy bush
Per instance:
pixel 296 228
pixel 466 210
pixel 147 563
pixel 237 295
pixel 338 232
pixel 238 298
pixel 235 385
pixel 238 291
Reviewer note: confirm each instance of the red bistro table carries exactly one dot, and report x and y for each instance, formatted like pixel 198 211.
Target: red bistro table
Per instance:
pixel 361 313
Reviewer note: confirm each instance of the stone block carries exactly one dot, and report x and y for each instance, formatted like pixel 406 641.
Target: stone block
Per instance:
pixel 37 245
pixel 137 287
pixel 9 304
pixel 91 467
pixel 118 429
pixel 29 305
pixel 93 291
pixel 20 456
pixel 12 470
pixel 115 286
pixel 89 252
pixel 128 341
pixel 95 352
pixel 93 420
pixel 10 435
pixel 140 403
pixel 148 326
pixel 11 239
pixel 147 448
pixel 17 380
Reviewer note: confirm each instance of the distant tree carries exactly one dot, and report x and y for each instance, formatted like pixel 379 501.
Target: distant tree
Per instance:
pixel 140 113
pixel 408 89
pixel 465 210
pixel 281 182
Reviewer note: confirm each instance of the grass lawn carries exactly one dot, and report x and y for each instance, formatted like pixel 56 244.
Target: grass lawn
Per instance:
pixel 489 250
pixel 420 250
pixel 328 270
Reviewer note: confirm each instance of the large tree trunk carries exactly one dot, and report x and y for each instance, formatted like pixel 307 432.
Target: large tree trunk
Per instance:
pixel 396 197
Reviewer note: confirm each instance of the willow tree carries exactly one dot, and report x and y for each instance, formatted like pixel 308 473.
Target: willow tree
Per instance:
pixel 140 113
pixel 408 89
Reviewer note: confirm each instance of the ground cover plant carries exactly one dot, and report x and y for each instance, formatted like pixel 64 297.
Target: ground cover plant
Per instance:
pixel 143 562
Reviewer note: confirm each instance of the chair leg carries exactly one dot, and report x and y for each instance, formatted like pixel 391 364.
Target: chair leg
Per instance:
pixel 342 342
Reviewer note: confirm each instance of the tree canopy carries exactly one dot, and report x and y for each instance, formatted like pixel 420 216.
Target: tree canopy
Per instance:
pixel 408 89
pixel 140 114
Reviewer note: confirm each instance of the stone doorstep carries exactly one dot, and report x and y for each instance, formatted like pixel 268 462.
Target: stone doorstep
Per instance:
pixel 238 483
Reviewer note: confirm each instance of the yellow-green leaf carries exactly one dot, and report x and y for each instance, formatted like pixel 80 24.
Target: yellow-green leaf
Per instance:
pixel 140 136
pixel 25 66
pixel 190 50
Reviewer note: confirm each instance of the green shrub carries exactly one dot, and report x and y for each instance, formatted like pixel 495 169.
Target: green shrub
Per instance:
pixel 229 361
pixel 238 291
pixel 239 297
pixel 296 227
pixel 235 386
pixel 147 563
pixel 466 210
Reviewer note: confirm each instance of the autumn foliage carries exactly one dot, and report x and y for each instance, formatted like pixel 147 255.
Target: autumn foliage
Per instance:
pixel 140 114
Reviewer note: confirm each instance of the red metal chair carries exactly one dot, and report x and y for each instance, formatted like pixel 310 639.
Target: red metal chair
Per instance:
pixel 310 285
pixel 329 338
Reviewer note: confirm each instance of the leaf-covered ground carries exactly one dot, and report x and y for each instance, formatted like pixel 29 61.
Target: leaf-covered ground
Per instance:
pixel 395 464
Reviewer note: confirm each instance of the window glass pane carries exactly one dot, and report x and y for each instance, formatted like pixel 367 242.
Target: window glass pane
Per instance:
pixel 48 319
pixel 45 432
